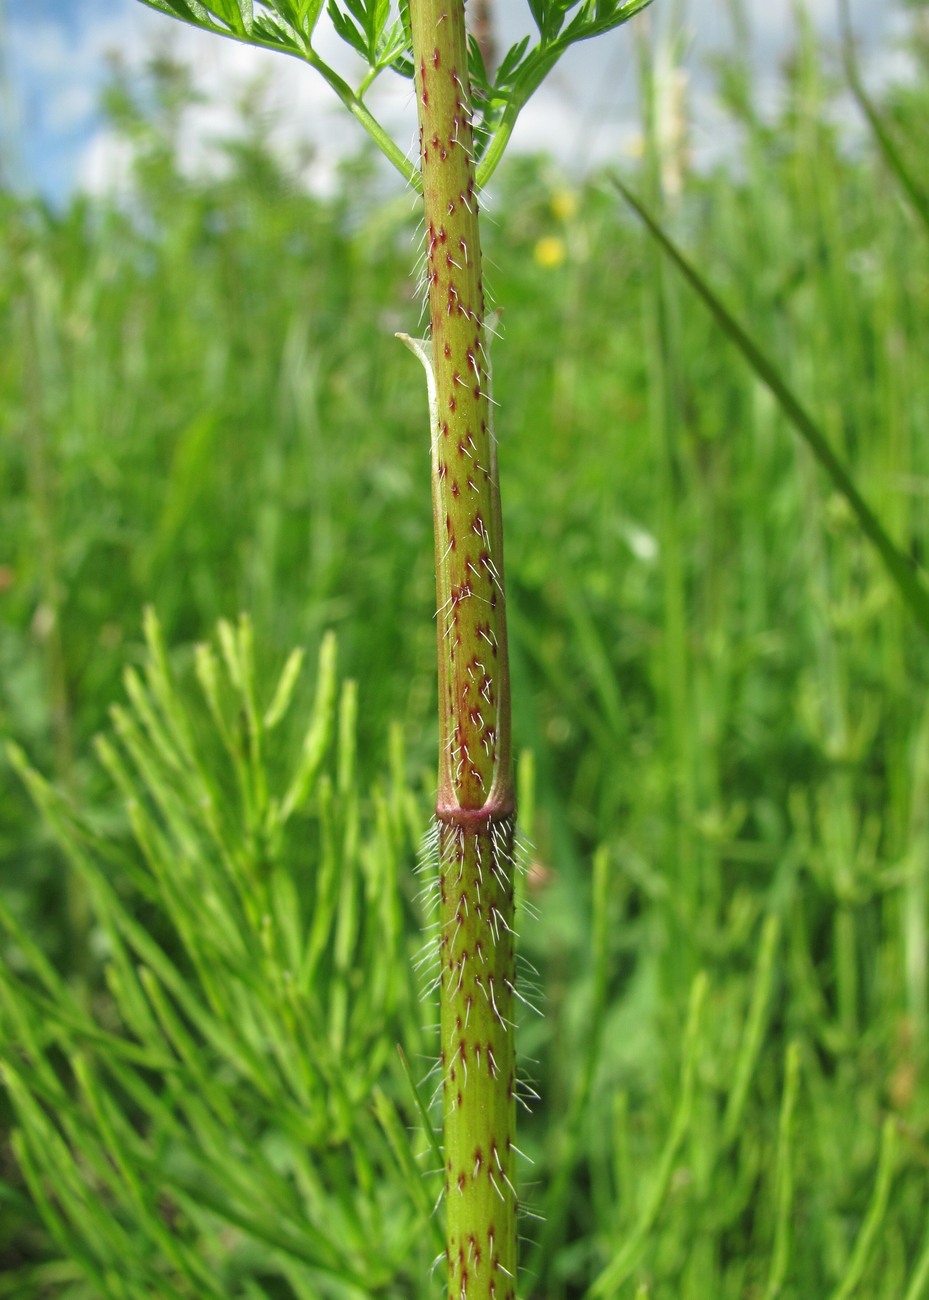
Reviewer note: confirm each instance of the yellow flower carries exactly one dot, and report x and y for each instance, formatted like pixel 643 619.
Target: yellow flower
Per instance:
pixel 549 252
pixel 564 204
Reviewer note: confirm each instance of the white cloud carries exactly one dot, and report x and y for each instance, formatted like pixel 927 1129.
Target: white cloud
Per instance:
pixel 301 107
pixel 586 111
pixel 60 71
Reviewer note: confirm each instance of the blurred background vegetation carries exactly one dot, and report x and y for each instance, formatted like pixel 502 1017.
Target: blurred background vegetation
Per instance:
pixel 720 699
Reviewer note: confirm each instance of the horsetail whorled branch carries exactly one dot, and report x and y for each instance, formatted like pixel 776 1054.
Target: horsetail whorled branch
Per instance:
pixel 476 806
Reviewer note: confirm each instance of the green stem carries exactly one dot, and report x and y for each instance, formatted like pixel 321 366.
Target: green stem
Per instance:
pixel 36 327
pixel 363 114
pixel 475 807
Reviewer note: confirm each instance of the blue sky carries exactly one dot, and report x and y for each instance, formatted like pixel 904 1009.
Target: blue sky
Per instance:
pixel 55 54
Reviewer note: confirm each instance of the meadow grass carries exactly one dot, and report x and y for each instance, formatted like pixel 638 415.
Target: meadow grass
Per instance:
pixel 723 698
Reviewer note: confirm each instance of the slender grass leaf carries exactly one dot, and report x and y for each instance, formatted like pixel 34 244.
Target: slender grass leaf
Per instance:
pixel 755 1024
pixel 874 1217
pixel 900 568
pixel 413 1177
pixel 892 156
pixel 422 1110
pixel 784 1175
pixel 617 1271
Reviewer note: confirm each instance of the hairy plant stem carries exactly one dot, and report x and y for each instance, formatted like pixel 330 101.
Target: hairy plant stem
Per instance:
pixel 476 805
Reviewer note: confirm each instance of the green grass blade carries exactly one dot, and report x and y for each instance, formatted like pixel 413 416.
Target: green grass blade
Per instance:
pixel 784 1175
pixel 919 1283
pixel 755 1025
pixel 875 1215
pixel 899 567
pixel 889 151
pixel 422 1110
pixel 607 1284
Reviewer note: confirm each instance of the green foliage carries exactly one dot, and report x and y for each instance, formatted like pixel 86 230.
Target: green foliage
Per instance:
pixel 382 38
pixel 365 28
pixel 212 1130
pixel 526 65
pixel 899 567
pixel 288 26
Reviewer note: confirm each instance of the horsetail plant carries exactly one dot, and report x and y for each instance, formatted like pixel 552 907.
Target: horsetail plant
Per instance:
pixel 465 121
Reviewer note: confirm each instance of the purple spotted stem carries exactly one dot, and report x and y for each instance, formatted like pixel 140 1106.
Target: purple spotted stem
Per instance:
pixel 476 806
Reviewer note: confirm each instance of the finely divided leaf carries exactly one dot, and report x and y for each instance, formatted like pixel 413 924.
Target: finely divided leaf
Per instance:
pixel 363 24
pixel 271 30
pixel 347 29
pixel 512 62
pixel 190 11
